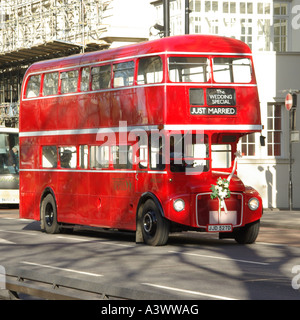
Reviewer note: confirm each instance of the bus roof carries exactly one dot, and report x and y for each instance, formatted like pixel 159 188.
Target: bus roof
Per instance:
pixel 209 44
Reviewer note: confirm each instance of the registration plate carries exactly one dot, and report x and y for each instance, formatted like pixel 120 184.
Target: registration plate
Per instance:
pixel 219 228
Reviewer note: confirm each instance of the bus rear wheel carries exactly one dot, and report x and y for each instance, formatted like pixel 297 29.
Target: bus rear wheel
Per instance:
pixel 248 233
pixel 49 215
pixel 155 228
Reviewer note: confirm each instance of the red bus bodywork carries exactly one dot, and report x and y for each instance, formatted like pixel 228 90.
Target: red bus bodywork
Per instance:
pixel 191 91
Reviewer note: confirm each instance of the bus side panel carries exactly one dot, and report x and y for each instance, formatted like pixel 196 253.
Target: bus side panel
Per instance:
pixel 122 193
pixel 48 113
pixel 123 106
pixel 99 199
pixel 28 178
pixel 67 112
pixel 94 109
pixel 150 102
pixel 32 122
pixel 83 193
pixel 28 206
pixel 248 107
pixel 66 194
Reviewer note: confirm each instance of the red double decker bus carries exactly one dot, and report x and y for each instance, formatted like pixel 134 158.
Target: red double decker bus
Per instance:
pixel 141 138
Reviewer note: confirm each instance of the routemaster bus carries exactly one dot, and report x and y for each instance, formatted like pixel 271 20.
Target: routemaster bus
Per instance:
pixel 141 138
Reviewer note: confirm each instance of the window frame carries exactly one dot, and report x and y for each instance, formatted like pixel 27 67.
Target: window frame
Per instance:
pixel 206 69
pixel 67 147
pixel 115 70
pixel 55 164
pixel 93 155
pixel 45 81
pixel 231 68
pixel 272 130
pixel 246 145
pixel 61 81
pixel 144 74
pixel 39 89
pixel 81 77
pixel 99 75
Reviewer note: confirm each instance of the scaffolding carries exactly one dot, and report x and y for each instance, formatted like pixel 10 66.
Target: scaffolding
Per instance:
pixel 29 23
pixel 33 30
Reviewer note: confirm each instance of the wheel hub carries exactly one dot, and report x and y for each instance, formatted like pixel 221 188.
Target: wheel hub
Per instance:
pixel 49 214
pixel 150 222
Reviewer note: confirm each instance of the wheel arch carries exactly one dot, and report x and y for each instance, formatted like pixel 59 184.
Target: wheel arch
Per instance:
pixel 144 197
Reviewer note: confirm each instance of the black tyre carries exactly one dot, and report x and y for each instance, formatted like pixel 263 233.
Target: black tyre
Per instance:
pixel 248 233
pixel 155 228
pixel 49 215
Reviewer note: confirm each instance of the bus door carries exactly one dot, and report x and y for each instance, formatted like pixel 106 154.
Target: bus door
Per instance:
pixel 67 182
pixel 122 186
pixel 141 163
pixel 150 164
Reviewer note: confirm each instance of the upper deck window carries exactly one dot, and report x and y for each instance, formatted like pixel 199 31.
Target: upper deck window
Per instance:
pixel 50 85
pixel 230 70
pixel 85 79
pixel 123 74
pixel 69 81
pixel 33 87
pixel 150 70
pixel 101 77
pixel 189 69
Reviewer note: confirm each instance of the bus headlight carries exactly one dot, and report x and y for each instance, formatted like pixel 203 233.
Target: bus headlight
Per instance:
pixel 253 204
pixel 178 205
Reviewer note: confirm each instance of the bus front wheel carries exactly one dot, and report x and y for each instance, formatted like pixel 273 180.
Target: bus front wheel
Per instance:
pixel 155 228
pixel 49 215
pixel 248 233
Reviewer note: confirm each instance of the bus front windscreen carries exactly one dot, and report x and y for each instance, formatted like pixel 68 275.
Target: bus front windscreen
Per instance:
pixel 189 153
pixel 232 70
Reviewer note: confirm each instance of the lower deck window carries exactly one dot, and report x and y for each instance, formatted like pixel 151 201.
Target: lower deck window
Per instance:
pixel 68 157
pixel 49 157
pixel 83 156
pixel 122 157
pixel 99 157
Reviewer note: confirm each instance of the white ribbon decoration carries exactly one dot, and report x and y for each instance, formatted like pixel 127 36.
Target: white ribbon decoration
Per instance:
pixel 222 203
pixel 237 155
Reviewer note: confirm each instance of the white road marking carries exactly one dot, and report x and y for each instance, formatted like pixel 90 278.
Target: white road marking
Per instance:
pixel 73 239
pixel 64 269
pixel 4 241
pixel 94 240
pixel 272 244
pixel 221 258
pixel 18 219
pixel 19 232
pixel 189 292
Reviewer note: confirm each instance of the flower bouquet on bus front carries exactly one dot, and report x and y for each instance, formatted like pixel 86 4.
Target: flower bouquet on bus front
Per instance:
pixel 221 191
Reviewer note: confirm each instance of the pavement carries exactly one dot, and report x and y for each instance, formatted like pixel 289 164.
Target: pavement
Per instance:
pixel 281 219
